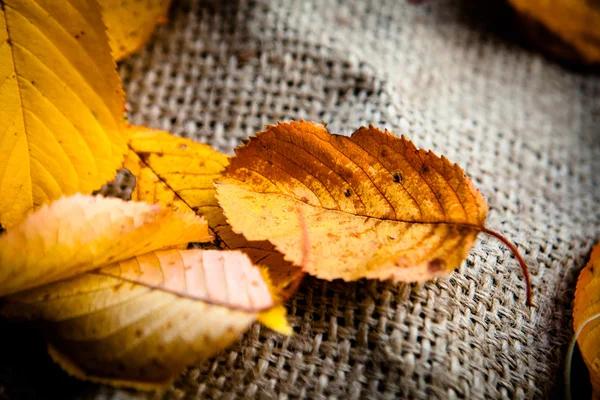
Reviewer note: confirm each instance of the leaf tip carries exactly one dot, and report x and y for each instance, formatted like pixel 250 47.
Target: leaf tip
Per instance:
pixel 276 319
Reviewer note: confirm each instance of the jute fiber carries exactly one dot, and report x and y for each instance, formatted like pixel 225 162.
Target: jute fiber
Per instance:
pixel 525 129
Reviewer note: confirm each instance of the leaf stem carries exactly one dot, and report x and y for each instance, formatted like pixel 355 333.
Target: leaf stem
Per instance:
pixel 516 253
pixel 293 287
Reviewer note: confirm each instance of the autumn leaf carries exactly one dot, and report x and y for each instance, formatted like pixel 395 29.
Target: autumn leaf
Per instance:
pixel 179 172
pixel 141 321
pixel 61 104
pixel 81 233
pixel 586 320
pixel 575 22
pixel 376 207
pixel 131 23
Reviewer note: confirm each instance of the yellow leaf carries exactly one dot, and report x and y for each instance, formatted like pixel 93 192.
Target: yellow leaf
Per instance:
pixel 140 322
pixel 575 22
pixel 276 319
pixel 80 233
pixel 170 170
pixel 131 23
pixel 586 313
pixel 374 205
pixel 61 104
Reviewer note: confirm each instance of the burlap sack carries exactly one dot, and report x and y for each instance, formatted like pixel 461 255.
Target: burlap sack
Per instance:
pixel 526 130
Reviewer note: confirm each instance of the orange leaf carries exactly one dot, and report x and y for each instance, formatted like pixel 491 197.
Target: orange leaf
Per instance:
pixel 586 317
pixel 80 233
pixel 129 24
pixel 175 171
pixel 141 321
pixel 375 205
pixel 574 22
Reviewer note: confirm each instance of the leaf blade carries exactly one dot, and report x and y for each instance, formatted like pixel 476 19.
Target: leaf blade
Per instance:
pixel 130 24
pixel 375 205
pixel 587 308
pixel 79 233
pixel 127 326
pixel 62 100
pixel 160 163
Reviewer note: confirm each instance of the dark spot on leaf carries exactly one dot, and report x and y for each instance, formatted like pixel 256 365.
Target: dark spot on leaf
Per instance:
pixel 76 36
pixel 138 333
pixel 462 229
pixel 33 82
pixel 425 169
pixel 304 200
pixel 384 153
pixel 347 192
pixel 397 177
pixel 118 286
pixel 436 265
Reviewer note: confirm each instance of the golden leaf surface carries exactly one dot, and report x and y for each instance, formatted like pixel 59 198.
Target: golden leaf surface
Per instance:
pixel 586 313
pixel 375 206
pixel 179 172
pixel 576 22
pixel 61 104
pixel 129 24
pixel 80 233
pixel 141 321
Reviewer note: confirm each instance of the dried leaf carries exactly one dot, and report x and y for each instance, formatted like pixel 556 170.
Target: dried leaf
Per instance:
pixel 141 321
pixel 586 313
pixel 375 206
pixel 175 171
pixel 80 233
pixel 576 22
pixel 61 104
pixel 131 23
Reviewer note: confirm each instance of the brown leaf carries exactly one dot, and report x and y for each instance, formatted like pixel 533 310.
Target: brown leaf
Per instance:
pixel 375 205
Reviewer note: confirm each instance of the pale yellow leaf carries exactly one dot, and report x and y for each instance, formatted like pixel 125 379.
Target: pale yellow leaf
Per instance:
pixel 80 233
pixel 141 321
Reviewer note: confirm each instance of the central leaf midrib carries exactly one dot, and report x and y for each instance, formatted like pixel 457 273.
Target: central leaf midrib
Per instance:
pixel 466 224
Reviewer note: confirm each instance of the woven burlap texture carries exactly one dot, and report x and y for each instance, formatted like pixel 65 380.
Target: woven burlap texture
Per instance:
pixel 525 129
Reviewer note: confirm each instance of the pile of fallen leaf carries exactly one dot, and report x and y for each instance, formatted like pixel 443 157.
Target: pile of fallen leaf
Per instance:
pixel 113 285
